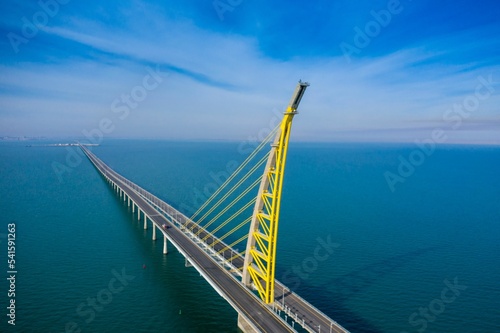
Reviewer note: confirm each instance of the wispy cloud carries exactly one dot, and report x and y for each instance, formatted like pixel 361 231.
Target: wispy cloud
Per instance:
pixel 224 85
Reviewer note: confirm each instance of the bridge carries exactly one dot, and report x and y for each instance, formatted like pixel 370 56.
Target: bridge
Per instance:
pixel 244 279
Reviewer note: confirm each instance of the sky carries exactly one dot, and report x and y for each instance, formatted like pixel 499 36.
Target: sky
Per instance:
pixel 379 71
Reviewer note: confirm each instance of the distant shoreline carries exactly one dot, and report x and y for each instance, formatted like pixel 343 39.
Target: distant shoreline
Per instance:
pixel 65 145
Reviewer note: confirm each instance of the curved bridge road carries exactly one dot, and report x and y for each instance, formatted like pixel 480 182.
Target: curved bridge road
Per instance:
pixel 242 300
pixel 260 316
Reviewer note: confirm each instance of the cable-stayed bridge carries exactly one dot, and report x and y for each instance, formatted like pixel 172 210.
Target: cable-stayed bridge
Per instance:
pixel 242 213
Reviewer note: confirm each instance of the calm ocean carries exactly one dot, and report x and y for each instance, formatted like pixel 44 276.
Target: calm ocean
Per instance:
pixel 422 258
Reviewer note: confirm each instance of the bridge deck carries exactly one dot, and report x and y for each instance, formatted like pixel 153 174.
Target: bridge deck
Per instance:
pixel 246 303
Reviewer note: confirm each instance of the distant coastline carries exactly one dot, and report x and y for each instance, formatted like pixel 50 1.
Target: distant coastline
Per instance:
pixel 65 145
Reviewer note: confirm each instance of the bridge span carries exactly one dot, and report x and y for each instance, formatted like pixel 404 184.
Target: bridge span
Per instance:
pixel 219 269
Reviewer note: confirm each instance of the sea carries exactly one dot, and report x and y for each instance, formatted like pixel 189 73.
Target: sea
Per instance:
pixel 413 235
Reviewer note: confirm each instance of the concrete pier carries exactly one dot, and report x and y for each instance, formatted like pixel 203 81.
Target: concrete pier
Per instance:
pixel 165 249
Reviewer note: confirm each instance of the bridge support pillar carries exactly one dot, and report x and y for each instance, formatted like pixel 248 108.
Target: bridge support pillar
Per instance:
pixel 138 213
pixel 154 231
pixel 244 326
pixel 133 207
pixel 145 221
pixel 128 201
pixel 165 249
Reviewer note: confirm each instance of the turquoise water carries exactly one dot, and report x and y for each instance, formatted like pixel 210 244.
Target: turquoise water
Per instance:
pixel 394 251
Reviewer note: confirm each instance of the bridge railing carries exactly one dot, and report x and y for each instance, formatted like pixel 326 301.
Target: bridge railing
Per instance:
pixel 184 223
pixel 178 218
pixel 290 313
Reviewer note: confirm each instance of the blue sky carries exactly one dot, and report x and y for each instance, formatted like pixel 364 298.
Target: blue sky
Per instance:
pixel 379 70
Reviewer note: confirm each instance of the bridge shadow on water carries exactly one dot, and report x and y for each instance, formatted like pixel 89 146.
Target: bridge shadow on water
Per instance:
pixel 331 297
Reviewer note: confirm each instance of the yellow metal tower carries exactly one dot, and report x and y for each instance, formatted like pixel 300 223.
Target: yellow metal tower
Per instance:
pixel 260 255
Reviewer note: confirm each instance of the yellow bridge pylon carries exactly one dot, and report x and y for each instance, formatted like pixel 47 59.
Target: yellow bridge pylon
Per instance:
pixel 260 254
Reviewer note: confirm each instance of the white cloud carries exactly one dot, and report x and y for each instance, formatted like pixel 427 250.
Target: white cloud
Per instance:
pixel 241 88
